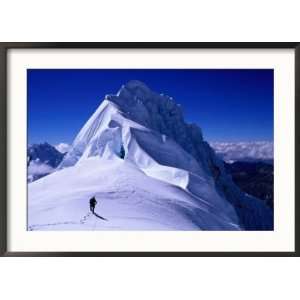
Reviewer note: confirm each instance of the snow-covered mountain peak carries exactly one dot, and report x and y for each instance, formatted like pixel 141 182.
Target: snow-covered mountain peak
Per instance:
pixel 143 131
pixel 140 101
pixel 44 152
pixel 124 118
pixel 157 112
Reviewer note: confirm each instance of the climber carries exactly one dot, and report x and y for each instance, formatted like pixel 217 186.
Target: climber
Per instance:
pixel 93 203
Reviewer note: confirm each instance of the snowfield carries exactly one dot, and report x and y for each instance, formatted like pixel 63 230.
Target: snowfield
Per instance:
pixel 168 178
pixel 126 196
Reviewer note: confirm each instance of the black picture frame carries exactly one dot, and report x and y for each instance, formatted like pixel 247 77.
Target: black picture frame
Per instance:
pixel 193 45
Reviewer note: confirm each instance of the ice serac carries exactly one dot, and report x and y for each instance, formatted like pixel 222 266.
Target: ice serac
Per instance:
pixel 168 179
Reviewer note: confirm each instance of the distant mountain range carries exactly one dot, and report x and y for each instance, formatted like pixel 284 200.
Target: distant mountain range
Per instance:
pixel 42 159
pixel 245 151
pixel 250 165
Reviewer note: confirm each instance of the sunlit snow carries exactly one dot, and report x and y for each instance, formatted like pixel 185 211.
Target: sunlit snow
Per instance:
pixel 169 179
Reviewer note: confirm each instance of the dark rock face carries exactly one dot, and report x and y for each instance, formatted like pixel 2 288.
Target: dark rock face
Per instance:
pixel 254 178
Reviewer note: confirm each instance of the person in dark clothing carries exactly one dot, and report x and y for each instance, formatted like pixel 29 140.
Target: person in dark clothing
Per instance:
pixel 93 203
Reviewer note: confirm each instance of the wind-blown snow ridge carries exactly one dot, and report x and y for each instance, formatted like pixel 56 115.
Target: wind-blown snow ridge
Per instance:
pixel 169 179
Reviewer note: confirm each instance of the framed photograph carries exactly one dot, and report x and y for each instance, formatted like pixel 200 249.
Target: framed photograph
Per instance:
pixel 149 149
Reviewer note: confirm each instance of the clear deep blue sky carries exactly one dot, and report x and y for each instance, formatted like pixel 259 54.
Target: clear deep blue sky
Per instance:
pixel 229 105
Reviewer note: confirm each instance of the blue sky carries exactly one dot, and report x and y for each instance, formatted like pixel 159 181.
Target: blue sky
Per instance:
pixel 228 105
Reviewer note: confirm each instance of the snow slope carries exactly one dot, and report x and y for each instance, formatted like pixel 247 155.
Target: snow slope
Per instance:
pixel 128 199
pixel 170 178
